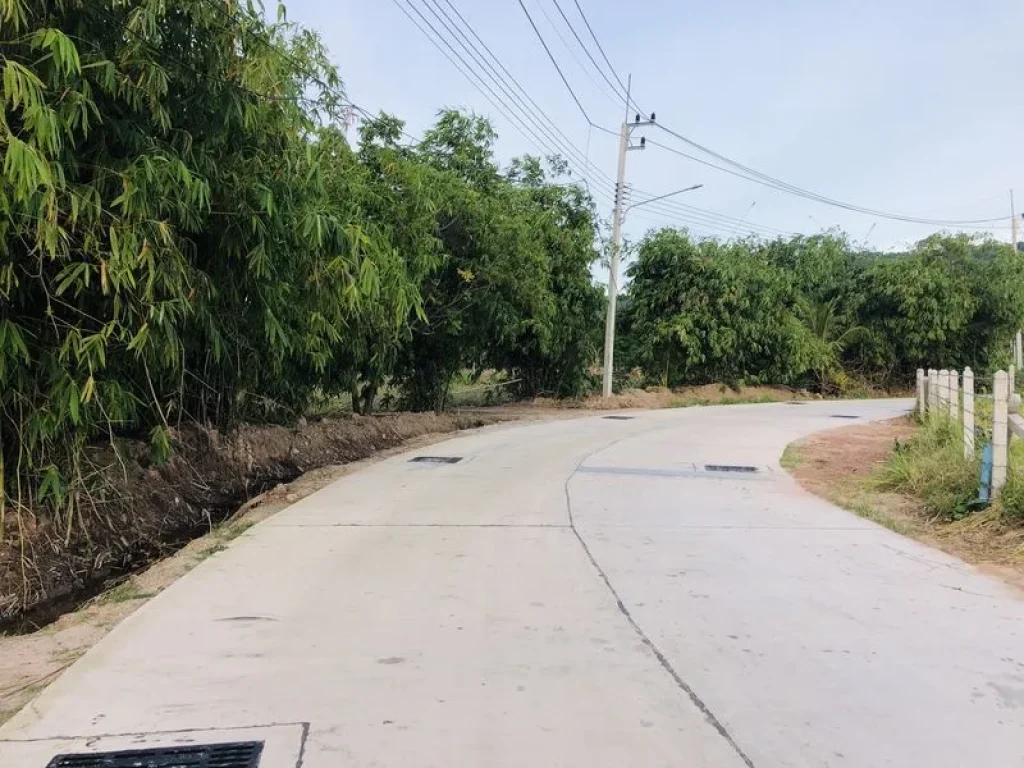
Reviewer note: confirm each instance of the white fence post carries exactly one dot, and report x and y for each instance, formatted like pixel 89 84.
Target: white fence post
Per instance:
pixel 1000 431
pixel 1012 380
pixel 968 413
pixel 922 394
pixel 1018 349
pixel 953 377
pixel 943 389
pixel 933 391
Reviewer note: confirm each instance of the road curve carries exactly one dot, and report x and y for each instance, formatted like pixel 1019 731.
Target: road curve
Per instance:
pixel 571 593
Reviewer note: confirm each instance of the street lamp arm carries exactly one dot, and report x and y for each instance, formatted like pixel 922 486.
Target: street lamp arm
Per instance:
pixel 661 197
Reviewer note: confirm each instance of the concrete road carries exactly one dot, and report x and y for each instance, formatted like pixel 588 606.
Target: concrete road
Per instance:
pixel 572 593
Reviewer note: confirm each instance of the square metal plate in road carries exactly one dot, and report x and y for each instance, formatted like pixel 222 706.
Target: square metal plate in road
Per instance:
pixel 844 416
pixel 242 754
pixel 729 468
pixel 619 418
pixel 436 459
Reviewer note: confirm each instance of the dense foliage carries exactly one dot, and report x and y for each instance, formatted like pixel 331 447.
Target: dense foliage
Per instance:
pixel 187 234
pixel 813 311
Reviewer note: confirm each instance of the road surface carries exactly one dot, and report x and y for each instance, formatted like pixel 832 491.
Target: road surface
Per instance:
pixel 571 593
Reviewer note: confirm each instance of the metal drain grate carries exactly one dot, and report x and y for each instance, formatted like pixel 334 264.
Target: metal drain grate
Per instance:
pixel 619 418
pixel 242 754
pixel 436 459
pixel 844 416
pixel 729 468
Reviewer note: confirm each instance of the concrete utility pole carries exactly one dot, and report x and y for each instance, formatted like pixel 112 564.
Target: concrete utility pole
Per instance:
pixel 613 268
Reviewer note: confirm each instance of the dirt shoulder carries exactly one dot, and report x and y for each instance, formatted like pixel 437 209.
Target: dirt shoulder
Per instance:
pixel 842 465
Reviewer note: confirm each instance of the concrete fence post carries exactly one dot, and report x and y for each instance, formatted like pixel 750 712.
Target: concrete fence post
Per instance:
pixel 1018 350
pixel 952 378
pixel 933 391
pixel 1000 430
pixel 943 390
pixel 922 394
pixel 968 413
pixel 1012 380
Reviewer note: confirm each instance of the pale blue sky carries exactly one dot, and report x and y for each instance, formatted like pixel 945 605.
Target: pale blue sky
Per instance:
pixel 910 106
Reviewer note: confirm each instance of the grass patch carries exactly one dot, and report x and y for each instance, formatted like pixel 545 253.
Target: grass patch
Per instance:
pixel 863 507
pixel 1011 501
pixel 123 592
pixel 793 457
pixel 208 552
pixel 931 468
pixel 690 402
pixel 232 531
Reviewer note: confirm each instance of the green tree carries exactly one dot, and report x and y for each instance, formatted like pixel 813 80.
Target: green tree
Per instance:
pixel 702 311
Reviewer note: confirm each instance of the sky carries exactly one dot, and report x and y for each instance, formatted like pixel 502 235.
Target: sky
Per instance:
pixel 912 107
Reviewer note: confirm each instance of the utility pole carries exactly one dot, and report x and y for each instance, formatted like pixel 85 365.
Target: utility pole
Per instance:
pixel 613 268
pixel 1013 223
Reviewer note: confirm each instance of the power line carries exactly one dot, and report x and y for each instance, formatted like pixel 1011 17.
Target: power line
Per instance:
pixel 530 126
pixel 675 208
pixel 728 222
pixel 536 108
pixel 555 63
pixel 572 29
pixel 600 48
pixel 770 181
pixel 495 77
pixel 826 201
pixel 525 114
pixel 441 43
pixel 717 229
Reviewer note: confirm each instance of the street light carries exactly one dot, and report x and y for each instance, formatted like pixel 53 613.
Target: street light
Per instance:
pixel 660 197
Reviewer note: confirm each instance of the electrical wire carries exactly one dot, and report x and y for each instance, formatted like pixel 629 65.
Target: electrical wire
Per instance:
pixel 771 181
pixel 442 44
pixel 544 118
pixel 555 63
pixel 745 172
pixel 775 184
pixel 607 89
pixel 711 220
pixel 604 56
pixel 718 230
pixel 531 118
pixel 529 125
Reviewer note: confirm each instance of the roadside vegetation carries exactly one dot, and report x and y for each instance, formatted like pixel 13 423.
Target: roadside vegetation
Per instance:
pixel 192 242
pixel 914 479
pixel 816 312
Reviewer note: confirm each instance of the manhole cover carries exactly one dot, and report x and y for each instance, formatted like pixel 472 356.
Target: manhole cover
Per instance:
pixel 619 418
pixel 729 468
pixel 844 416
pixel 243 754
pixel 436 459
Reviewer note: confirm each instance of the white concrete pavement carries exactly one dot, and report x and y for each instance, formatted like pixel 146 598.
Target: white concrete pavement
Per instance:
pixel 572 593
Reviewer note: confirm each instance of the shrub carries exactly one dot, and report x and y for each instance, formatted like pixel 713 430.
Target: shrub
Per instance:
pixel 1011 501
pixel 932 467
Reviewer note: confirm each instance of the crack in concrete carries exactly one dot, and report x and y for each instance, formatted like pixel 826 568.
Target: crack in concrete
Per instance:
pixel 644 638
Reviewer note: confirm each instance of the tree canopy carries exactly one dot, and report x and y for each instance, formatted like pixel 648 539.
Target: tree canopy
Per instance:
pixel 188 234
